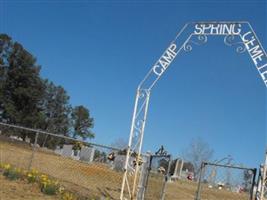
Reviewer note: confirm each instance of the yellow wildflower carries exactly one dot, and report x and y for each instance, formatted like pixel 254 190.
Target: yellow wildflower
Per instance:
pixel 61 189
pixel 7 166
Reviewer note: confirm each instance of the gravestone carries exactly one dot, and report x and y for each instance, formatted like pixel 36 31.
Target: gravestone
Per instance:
pixel 67 150
pixel 119 163
pixel 28 140
pixel 178 169
pixel 58 150
pixel 76 154
pixel 87 154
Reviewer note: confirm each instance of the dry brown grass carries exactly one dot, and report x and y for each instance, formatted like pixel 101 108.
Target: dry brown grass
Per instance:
pixel 186 190
pixel 94 180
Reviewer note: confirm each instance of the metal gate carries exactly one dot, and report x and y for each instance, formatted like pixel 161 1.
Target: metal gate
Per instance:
pixel 157 176
pixel 225 182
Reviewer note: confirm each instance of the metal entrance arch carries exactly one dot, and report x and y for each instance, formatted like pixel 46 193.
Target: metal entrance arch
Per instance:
pixel 236 34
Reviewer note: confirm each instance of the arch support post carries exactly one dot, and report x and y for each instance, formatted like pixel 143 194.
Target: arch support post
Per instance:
pixel 133 156
pixel 262 181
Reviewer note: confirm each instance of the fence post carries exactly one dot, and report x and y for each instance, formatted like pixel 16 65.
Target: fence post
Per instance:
pixel 143 177
pixel 150 158
pixel 199 181
pixel 253 184
pixel 33 150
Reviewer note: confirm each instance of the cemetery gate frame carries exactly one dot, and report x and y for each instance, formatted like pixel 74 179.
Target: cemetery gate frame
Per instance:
pixel 158 163
pixel 237 34
pixel 212 181
pixel 155 169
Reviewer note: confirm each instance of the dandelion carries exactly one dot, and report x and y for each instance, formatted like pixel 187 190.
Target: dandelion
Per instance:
pixel 34 171
pixel 61 189
pixel 68 196
pixel 43 177
pixel 18 170
pixel 7 166
pixel 44 184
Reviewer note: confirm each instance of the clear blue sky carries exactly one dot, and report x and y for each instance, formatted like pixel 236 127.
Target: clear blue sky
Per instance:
pixel 100 50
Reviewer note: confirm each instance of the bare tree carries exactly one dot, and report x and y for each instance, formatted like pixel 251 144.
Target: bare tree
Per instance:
pixel 197 152
pixel 120 143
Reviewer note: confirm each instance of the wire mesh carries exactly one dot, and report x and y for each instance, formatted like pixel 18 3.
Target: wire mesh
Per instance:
pixel 226 182
pixel 14 150
pixel 88 170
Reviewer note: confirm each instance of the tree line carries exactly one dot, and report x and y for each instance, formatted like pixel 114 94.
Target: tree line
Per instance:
pixel 27 99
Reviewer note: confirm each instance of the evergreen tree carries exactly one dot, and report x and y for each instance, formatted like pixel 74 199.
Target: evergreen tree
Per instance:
pixel 82 122
pixel 29 101
pixel 57 110
pixel 21 87
pixel 5 46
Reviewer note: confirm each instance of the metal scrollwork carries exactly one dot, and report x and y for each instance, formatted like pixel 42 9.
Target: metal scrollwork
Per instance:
pixel 231 40
pixel 200 40
pixel 138 126
pixel 139 121
pixel 142 94
pixel 188 47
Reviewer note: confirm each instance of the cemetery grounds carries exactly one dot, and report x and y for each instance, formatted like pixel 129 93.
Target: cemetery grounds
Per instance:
pixel 92 180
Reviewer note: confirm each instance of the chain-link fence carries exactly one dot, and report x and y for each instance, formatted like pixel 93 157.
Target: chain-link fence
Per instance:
pixel 96 171
pixel 225 182
pixel 88 170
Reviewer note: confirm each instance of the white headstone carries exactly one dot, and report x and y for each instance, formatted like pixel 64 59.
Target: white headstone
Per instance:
pixel 178 169
pixel 119 162
pixel 27 139
pixel 58 150
pixel 76 154
pixel 67 150
pixel 87 154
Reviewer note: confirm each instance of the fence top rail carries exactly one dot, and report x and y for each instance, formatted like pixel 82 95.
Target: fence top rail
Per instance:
pixel 229 166
pixel 59 136
pixel 161 156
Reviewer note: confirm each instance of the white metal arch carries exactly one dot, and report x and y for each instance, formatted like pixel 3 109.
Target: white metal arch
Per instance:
pixel 237 34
